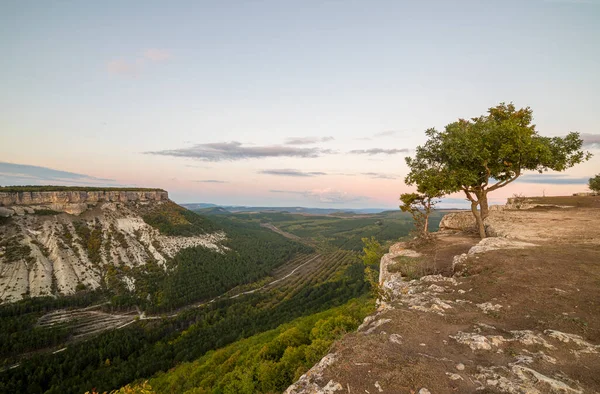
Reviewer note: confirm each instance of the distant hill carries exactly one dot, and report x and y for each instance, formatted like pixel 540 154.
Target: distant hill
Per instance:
pixel 300 210
pixel 211 211
pixel 200 205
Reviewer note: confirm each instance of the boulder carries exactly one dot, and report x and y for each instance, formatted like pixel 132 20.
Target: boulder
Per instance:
pixel 458 221
pixel 6 212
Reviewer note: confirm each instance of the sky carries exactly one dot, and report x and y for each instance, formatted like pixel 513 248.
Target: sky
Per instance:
pixel 279 103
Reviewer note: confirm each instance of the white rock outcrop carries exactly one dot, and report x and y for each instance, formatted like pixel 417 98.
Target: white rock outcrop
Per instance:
pixel 44 255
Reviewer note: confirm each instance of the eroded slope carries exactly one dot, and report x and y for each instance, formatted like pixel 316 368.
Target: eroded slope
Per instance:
pixel 44 252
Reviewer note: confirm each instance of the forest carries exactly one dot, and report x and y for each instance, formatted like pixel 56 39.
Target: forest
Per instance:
pixel 140 350
pixel 206 301
pixel 264 363
pixel 343 231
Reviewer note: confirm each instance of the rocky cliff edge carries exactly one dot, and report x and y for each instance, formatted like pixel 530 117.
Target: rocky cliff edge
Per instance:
pixel 515 313
pixel 73 201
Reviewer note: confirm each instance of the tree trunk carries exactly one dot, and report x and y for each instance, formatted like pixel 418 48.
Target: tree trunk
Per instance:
pixel 426 223
pixel 478 219
pixel 483 204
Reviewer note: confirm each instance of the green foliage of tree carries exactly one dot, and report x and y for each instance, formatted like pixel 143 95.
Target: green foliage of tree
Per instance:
pixel 372 252
pixel 419 206
pixel 594 183
pixel 479 155
pixel 246 367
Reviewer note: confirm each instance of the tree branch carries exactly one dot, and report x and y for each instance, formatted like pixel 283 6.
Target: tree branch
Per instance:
pixel 502 183
pixel 468 194
pixel 488 174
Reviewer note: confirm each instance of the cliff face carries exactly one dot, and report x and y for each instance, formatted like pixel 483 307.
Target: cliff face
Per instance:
pixel 519 314
pixel 66 197
pixel 56 243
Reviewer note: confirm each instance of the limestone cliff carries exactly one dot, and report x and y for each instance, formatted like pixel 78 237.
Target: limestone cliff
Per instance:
pixel 55 243
pixel 516 313
pixel 74 201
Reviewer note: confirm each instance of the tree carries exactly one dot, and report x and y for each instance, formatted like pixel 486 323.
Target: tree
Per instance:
pixel 594 184
pixel 373 251
pixel 419 206
pixel 483 154
pixel 431 184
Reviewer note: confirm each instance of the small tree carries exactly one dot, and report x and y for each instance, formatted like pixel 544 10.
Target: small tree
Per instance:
pixel 431 182
pixel 594 184
pixel 483 154
pixel 419 206
pixel 373 251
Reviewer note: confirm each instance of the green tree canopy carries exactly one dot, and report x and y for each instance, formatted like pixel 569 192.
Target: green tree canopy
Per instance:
pixel 594 183
pixel 420 207
pixel 482 154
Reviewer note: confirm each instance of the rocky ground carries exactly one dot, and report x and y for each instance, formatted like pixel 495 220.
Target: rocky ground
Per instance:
pixel 518 313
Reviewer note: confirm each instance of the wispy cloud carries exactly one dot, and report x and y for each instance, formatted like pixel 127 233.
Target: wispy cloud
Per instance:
pixel 307 140
pixel 196 166
pixel 333 196
pixel 132 66
pixel 123 68
pixel 210 181
pixel 381 134
pixel 379 175
pixel 327 195
pixel 232 151
pixel 552 179
pixel 290 172
pixel 285 191
pixel 591 140
pixel 156 55
pixel 377 151
pixel 387 133
pixel 24 174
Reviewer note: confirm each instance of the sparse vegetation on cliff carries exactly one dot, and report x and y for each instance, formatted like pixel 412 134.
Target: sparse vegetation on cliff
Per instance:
pixel 46 212
pixel 172 219
pixel 91 239
pixel 12 250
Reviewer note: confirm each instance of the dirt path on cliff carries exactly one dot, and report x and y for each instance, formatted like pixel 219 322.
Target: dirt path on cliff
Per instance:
pixel 521 320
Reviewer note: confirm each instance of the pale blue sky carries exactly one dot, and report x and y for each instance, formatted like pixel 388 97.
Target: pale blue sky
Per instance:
pixel 88 87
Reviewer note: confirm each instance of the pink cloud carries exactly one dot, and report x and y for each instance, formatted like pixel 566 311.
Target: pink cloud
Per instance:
pixel 123 68
pixel 156 55
pixel 133 68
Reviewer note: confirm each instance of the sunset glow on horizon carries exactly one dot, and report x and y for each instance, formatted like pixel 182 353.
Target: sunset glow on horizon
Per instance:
pixel 310 104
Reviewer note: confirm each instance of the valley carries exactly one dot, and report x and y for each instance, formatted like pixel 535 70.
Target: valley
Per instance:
pixel 171 285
